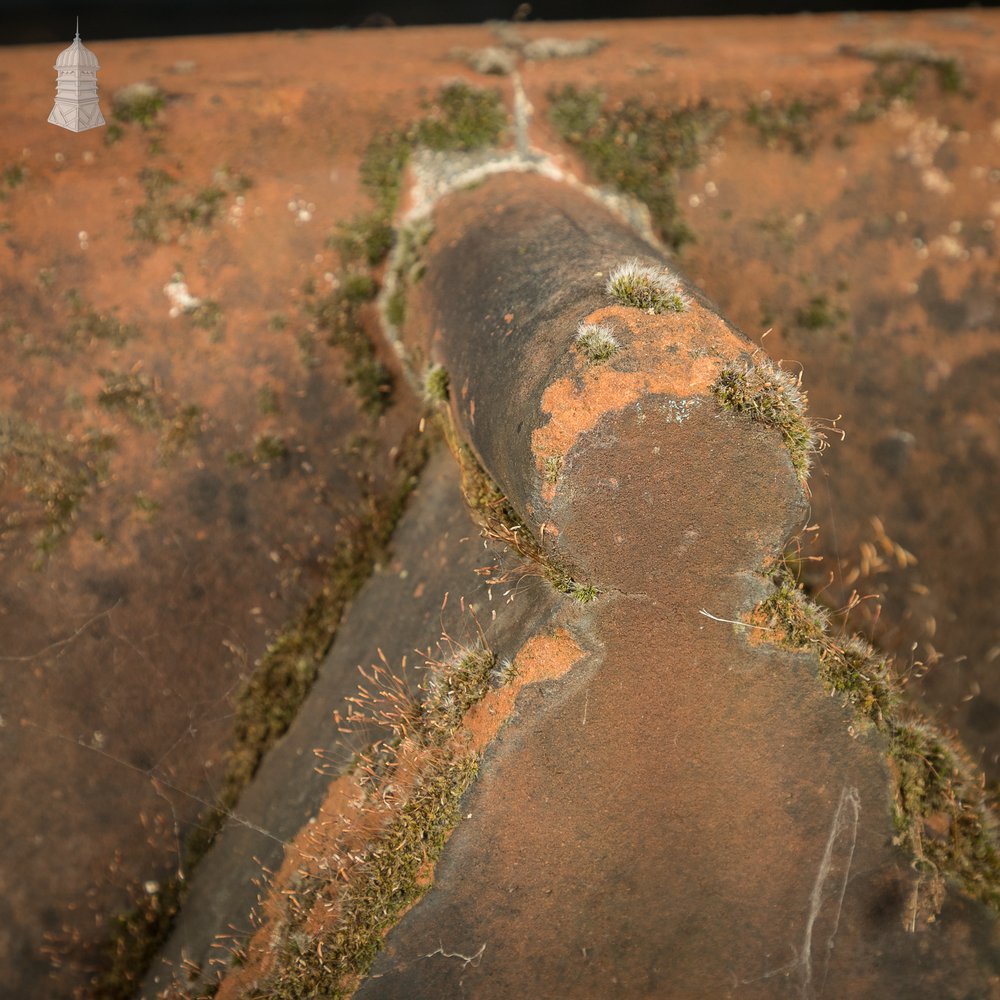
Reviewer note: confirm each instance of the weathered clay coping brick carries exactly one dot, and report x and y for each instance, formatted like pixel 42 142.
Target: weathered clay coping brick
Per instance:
pixel 685 813
pixel 599 458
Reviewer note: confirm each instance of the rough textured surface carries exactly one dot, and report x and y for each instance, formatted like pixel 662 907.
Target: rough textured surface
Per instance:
pixel 434 552
pixel 433 590
pixel 686 814
pixel 871 254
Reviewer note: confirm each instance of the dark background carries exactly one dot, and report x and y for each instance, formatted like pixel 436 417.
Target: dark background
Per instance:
pixel 26 21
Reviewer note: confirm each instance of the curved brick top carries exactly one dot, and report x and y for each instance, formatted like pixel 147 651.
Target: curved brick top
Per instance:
pixel 619 462
pixel 685 813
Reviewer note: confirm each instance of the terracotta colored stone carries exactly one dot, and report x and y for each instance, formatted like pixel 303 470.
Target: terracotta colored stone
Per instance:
pixel 686 814
pixel 777 228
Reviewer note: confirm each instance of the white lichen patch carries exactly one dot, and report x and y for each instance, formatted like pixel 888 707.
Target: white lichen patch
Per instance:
pixel 302 210
pixel 181 300
pixel 490 60
pixel 924 137
pixel 561 48
pixel 677 411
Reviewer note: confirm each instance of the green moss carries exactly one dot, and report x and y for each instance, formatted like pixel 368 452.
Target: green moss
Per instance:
pixel 462 118
pixel 596 342
pixel 495 514
pixel 389 873
pixel 452 691
pixel 903 73
pixel 785 123
pixel 160 218
pixel 338 316
pixel 366 238
pixel 201 208
pixel 941 812
pixel 265 707
pixel 284 674
pixel 770 396
pixel 819 313
pixel 358 287
pixel 796 621
pixel 395 307
pixel 132 394
pixel 942 815
pixel 382 168
pixel 207 315
pixel 134 937
pixel 856 671
pixel 385 881
pixel 267 400
pixel 269 449
pixel 640 148
pixel 54 475
pixel 156 182
pixel 14 175
pixel 181 432
pixel 138 102
pixel 150 220
pixel 146 505
pixel 640 286
pixel 436 384
pixel 408 268
pixel 87 325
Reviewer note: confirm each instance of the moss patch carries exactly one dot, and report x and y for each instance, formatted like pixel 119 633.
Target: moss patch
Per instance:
pixel 770 396
pixel 942 815
pixel 462 118
pixel 437 387
pixel 819 313
pixel 87 325
pixel 902 73
pixel 596 342
pixel 132 394
pixel 641 286
pixel 162 218
pixel 138 102
pixel 496 516
pixel 51 476
pixel 390 872
pixel 265 708
pixel 338 316
pixel 639 148
pixel 13 176
pixel 941 812
pixel 785 124
pixel 459 118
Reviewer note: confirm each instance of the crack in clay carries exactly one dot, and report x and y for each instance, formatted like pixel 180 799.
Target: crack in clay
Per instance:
pixel 845 819
pixel 844 827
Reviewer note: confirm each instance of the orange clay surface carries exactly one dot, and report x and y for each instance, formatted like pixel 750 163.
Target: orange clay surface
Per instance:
pixel 125 646
pixel 351 815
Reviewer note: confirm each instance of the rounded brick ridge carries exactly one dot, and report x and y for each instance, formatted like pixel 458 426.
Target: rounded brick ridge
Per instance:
pixel 688 814
pixel 587 451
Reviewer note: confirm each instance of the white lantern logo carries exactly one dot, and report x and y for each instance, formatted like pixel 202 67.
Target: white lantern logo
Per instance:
pixel 76 106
